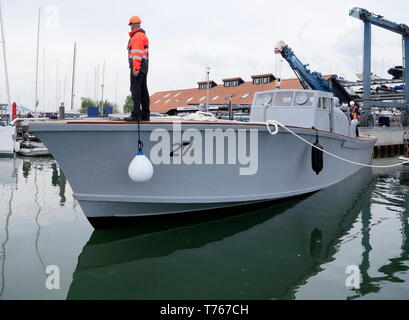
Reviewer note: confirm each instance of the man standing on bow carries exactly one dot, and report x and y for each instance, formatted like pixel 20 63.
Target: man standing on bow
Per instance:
pixel 138 49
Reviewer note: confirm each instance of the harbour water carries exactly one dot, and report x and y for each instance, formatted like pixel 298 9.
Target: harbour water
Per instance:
pixel 304 248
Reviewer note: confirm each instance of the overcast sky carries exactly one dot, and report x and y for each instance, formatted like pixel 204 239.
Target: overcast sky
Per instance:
pixel 235 38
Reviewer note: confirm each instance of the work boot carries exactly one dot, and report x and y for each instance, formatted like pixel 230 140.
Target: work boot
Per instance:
pixel 131 118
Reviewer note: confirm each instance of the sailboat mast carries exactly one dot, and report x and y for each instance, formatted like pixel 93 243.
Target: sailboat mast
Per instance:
pixel 3 40
pixel 44 102
pixel 102 86
pixel 56 89
pixel 73 77
pixel 38 50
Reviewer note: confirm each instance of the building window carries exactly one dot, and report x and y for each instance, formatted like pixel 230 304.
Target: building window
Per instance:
pixel 245 96
pixel 215 98
pixel 167 101
pixel 177 94
pixel 157 101
pixel 262 80
pixel 190 99
pixel 204 86
pixel 201 99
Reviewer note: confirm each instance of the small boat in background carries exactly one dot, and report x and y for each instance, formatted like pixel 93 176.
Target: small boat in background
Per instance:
pixel 396 72
pixel 34 149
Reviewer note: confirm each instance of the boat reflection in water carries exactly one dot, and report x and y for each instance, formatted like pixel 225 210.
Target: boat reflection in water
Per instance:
pixel 37 219
pixel 264 254
pixel 397 263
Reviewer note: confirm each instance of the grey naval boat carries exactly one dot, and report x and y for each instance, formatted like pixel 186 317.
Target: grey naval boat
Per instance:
pixel 203 165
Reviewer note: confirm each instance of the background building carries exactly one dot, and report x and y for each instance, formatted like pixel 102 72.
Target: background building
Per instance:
pixel 240 92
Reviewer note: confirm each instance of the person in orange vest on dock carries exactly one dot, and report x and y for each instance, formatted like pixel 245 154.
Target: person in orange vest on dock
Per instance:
pixel 138 50
pixel 354 115
pixel 354 111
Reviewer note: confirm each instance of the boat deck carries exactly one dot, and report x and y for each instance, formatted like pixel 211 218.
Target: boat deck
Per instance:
pixel 171 120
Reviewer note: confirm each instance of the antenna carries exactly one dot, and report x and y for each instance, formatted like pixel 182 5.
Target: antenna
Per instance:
pixel 208 88
pixel 57 98
pixel 38 49
pixel 65 88
pixel 86 87
pixel 102 86
pixel 116 90
pixel 95 84
pixel 73 77
pixel 44 102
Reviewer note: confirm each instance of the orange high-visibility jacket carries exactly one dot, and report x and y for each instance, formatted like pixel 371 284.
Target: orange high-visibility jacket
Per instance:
pixel 138 48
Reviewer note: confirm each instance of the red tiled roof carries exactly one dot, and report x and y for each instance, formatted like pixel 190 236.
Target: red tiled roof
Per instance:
pixel 243 94
pixel 232 79
pixel 262 75
pixel 206 82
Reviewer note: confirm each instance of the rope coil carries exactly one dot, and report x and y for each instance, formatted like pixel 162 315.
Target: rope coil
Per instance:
pixel 277 124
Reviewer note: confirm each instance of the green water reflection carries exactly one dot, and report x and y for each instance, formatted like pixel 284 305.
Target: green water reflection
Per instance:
pixel 297 249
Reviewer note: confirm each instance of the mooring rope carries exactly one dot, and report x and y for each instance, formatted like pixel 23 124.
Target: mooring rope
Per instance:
pixel 277 124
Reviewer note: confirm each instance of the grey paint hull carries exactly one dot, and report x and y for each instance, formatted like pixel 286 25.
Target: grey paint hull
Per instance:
pixel 263 254
pixel 95 159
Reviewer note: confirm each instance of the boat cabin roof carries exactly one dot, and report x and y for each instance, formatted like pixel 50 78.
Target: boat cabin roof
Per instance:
pixel 287 98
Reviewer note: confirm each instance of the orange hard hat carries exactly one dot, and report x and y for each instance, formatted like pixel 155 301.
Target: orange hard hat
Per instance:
pixel 135 19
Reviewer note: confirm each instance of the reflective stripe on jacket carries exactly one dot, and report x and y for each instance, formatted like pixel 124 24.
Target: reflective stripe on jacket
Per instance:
pixel 138 48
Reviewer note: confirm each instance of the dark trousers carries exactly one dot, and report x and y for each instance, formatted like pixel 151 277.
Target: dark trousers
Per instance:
pixel 140 96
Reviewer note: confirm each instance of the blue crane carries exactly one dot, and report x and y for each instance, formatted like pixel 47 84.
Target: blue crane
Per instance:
pixel 313 80
pixel 370 19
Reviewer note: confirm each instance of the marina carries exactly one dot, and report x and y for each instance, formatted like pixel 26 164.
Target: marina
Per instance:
pixel 290 250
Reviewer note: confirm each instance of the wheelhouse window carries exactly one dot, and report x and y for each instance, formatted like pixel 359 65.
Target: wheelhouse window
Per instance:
pixel 264 99
pixel 284 99
pixel 324 103
pixel 304 99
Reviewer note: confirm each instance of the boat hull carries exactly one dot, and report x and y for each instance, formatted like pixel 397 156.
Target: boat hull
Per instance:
pixel 95 159
pixel 7 134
